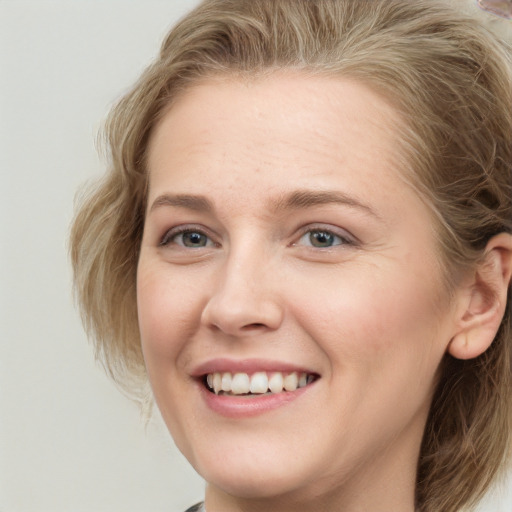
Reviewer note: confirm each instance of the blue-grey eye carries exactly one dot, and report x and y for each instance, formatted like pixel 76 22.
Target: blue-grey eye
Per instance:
pixel 321 239
pixel 192 239
pixel 187 238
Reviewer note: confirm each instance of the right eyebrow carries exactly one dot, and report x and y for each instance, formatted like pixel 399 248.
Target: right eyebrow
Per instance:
pixel 190 202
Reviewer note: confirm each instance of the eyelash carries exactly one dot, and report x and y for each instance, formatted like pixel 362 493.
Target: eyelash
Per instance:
pixel 171 236
pixel 343 238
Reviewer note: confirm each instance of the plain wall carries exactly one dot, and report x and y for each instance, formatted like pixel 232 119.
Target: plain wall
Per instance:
pixel 69 441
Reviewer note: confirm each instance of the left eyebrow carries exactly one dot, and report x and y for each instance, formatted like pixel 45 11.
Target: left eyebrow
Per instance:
pixel 189 202
pixel 300 199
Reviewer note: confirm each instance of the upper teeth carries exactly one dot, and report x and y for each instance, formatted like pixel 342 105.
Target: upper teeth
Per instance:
pixel 256 383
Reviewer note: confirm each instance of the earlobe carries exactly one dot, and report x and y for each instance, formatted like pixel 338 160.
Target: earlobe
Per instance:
pixel 485 299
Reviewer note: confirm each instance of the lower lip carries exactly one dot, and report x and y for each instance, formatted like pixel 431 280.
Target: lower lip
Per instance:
pixel 238 407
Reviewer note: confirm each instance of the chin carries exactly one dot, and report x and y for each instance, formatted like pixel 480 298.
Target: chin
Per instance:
pixel 249 481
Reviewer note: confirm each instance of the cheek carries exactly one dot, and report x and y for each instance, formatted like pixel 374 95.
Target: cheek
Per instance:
pixel 367 320
pixel 168 312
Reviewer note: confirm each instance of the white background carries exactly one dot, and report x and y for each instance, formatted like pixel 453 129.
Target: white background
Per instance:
pixel 69 441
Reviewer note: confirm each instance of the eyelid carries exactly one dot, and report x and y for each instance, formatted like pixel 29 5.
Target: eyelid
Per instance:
pixel 173 232
pixel 346 237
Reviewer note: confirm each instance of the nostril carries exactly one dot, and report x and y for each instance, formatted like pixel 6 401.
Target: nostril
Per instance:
pixel 253 327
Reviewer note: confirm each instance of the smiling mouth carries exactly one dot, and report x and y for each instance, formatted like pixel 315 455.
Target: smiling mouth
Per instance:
pixel 256 384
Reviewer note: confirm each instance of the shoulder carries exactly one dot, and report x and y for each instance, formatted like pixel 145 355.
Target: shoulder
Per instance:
pixel 196 508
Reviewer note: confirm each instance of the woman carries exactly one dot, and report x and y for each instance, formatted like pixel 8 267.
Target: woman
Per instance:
pixel 304 245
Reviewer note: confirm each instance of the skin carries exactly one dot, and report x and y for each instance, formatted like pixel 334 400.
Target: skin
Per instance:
pixel 369 314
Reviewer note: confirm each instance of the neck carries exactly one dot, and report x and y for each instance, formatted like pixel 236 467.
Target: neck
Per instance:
pixel 218 502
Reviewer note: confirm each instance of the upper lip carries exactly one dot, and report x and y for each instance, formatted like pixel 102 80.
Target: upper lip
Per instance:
pixel 222 365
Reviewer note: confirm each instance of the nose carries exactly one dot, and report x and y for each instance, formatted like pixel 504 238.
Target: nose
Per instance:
pixel 245 298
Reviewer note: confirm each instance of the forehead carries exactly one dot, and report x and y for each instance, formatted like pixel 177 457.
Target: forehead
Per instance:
pixel 301 103
pixel 279 128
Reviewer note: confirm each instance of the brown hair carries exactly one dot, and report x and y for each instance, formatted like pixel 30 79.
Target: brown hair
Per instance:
pixel 450 80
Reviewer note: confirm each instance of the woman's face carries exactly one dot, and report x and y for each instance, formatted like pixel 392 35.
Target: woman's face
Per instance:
pixel 281 245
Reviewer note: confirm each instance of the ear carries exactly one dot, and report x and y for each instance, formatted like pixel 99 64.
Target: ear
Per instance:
pixel 484 300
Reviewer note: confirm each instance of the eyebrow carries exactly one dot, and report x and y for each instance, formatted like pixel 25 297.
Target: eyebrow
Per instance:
pixel 190 202
pixel 296 200
pixel 308 198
